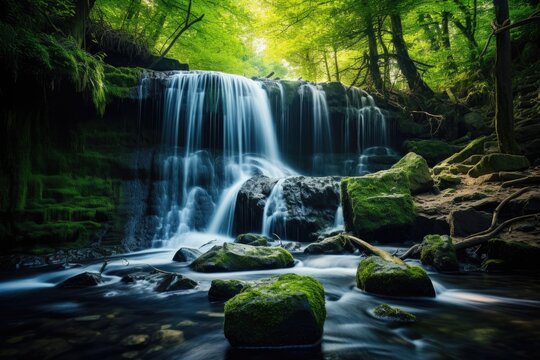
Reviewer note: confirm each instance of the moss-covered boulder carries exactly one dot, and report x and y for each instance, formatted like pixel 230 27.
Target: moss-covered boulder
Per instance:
pixel 388 313
pixel 417 171
pixel 241 257
pixel 226 289
pixel 438 251
pixel 332 245
pixel 252 239
pixel 516 255
pixel 499 162
pixel 288 311
pixel 378 276
pixel 475 147
pixel 433 150
pixel 377 203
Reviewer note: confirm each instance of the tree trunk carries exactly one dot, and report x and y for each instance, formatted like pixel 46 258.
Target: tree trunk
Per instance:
pixel 386 78
pixel 416 84
pixel 373 56
pixel 504 112
pixel 445 39
pixel 327 68
pixel 336 64
pixel 80 20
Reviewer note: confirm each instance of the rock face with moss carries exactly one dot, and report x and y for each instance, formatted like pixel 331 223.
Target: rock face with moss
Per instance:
pixel 241 257
pixel 377 204
pixel 388 313
pixel 333 245
pixel 499 162
pixel 382 277
pixel 288 311
pixel 252 239
pixel 438 251
pixel 432 150
pixel 417 171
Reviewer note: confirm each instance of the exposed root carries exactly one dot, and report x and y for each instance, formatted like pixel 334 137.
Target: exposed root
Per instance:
pixel 370 248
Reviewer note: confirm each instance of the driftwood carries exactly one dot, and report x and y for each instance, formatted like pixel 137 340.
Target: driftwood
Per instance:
pixel 370 248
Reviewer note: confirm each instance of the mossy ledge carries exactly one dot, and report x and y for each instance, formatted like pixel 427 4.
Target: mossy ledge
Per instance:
pixel 287 311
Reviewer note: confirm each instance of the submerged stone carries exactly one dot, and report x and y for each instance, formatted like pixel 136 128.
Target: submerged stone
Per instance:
pixel 225 289
pixel 241 257
pixel 379 276
pixel 252 239
pixel 438 251
pixel 499 162
pixel 287 311
pixel 186 254
pixel 417 171
pixel 161 282
pixel 333 245
pixel 376 203
pixel 82 280
pixel 388 313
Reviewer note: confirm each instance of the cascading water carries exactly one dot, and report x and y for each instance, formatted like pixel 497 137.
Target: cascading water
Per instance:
pixel 217 132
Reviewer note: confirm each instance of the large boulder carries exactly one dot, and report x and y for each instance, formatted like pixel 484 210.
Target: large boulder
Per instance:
pixel 438 251
pixel 468 221
pixel 514 255
pixel 377 206
pixel 250 202
pixel 499 162
pixel 241 257
pixel 417 171
pixel 383 277
pixel 332 245
pixel 289 310
pixel 310 205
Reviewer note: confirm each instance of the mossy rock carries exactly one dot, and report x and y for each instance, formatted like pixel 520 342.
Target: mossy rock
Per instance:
pixel 377 202
pixel 252 239
pixel 378 276
pixel 333 245
pixel 241 257
pixel 475 147
pixel 516 255
pixel 288 311
pixel 388 313
pixel 446 180
pixel 438 251
pixel 417 171
pixel 499 162
pixel 494 265
pixel 433 150
pixel 226 289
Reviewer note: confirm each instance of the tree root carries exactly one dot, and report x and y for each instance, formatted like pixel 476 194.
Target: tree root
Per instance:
pixel 522 181
pixel 370 248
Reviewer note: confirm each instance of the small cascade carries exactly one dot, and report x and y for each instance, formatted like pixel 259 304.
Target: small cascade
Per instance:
pixel 275 212
pixel 339 222
pixel 376 158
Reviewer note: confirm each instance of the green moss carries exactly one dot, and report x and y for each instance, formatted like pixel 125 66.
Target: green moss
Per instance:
pixel 417 171
pixel 378 276
pixel 438 251
pixel 240 257
pixel 432 150
pixel 226 289
pixel 386 312
pixel 473 148
pixel 499 162
pixel 119 81
pixel 376 202
pixel 290 310
pixel 252 239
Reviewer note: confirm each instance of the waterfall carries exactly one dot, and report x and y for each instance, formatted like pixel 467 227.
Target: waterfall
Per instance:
pixel 275 212
pixel 217 133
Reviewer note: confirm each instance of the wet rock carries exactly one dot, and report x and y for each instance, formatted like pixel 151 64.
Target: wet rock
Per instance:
pixel 499 162
pixel 186 254
pixel 377 206
pixel 417 171
pixel 334 245
pixel 250 202
pixel 170 337
pixel 468 221
pixel 135 340
pixel 388 313
pixel 514 254
pixel 252 239
pixel 379 276
pixel 82 280
pixel 221 290
pixel 161 282
pixel 240 257
pixel 287 311
pixel 425 224
pixel 438 251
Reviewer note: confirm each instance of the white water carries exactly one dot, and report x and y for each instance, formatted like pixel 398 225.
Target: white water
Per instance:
pixel 275 212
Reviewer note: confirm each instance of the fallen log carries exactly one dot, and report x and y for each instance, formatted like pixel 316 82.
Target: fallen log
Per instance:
pixel 370 248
